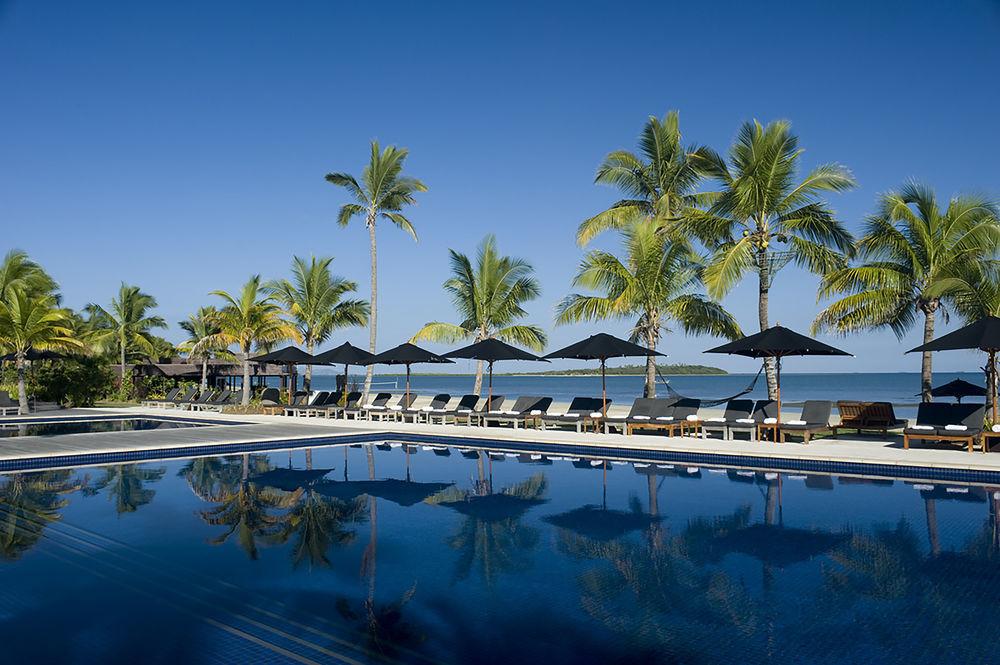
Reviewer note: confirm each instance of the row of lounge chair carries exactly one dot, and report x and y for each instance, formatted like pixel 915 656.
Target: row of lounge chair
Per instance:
pixel 191 400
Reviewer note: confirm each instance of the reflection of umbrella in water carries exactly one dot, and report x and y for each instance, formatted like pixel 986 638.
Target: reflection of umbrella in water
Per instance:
pixel 779 546
pixel 289 480
pixel 599 523
pixel 493 507
pixel 404 492
pixel 958 389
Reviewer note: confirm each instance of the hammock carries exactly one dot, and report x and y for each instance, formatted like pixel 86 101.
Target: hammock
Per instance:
pixel 710 402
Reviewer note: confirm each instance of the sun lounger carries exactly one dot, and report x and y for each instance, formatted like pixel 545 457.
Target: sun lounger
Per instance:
pixel 7 405
pixel 318 406
pixel 737 411
pixel 581 410
pixel 524 409
pixel 947 422
pixel 203 398
pixel 465 405
pixel 641 411
pixel 860 416
pixel 492 405
pixel 763 411
pixel 438 403
pixel 154 401
pixel 300 408
pixel 338 409
pixel 360 410
pixel 394 411
pixel 815 418
pixel 670 415
pixel 183 400
pixel 219 400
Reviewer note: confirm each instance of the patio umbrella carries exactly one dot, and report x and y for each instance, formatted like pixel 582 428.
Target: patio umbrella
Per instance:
pixel 984 335
pixel 404 492
pixel 288 356
pixel 779 546
pixel 34 354
pixel 601 347
pixel 958 389
pixel 492 350
pixel 407 354
pixel 289 480
pixel 493 507
pixel 599 523
pixel 778 342
pixel 346 354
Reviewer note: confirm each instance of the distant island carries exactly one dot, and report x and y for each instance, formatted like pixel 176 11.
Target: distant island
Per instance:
pixel 626 370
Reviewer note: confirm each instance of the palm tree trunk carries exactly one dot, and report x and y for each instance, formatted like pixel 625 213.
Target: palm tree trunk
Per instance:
pixel 763 295
pixel 307 381
pixel 479 378
pixel 925 361
pixel 373 312
pixel 933 538
pixel 204 372
pixel 246 376
pixel 22 393
pixel 122 345
pixel 649 390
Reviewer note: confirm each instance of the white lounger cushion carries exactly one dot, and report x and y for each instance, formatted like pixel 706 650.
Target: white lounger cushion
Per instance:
pixel 770 421
pixel 956 428
pixel 465 411
pixel 396 407
pixel 716 420
pixel 926 427
pixel 596 414
pixel 746 421
pixel 797 422
pixel 640 417
pixel 510 412
pixel 692 418
pixel 536 412
pixel 996 428
pixel 664 417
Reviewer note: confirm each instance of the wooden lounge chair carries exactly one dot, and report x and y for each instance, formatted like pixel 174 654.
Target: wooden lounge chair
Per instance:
pixel 438 403
pixel 465 405
pixel 763 409
pixel 524 409
pixel 493 404
pixel 580 411
pixel 156 401
pixel 672 416
pixel 860 416
pixel 815 418
pixel 947 422
pixel 641 412
pixel 737 411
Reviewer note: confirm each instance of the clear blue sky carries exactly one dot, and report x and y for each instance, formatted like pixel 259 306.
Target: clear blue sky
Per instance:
pixel 182 146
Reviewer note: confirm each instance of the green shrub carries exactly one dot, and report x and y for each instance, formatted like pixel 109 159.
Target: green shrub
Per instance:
pixel 77 381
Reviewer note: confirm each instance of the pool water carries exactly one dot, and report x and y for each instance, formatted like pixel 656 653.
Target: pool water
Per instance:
pixel 56 427
pixel 377 554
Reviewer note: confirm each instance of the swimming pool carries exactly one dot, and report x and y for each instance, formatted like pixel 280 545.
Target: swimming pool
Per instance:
pixel 427 554
pixel 57 426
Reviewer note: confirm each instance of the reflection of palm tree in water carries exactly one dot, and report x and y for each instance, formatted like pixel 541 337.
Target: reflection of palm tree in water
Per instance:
pixel 28 503
pixel 126 483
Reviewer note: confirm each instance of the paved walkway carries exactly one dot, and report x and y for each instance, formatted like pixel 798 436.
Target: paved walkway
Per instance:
pixel 293 431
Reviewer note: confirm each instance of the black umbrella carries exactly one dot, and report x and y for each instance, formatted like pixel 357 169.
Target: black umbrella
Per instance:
pixel 958 389
pixel 984 335
pixel 492 350
pixel 778 342
pixel 407 354
pixel 601 347
pixel 403 492
pixel 289 480
pixel 601 523
pixel 289 356
pixel 346 354
pixel 778 545
pixel 34 354
pixel 493 507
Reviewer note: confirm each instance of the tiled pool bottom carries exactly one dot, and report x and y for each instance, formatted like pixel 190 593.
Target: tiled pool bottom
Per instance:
pixel 90 425
pixel 443 557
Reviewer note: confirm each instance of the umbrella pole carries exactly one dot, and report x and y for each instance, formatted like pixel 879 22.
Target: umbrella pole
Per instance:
pixel 993 383
pixel 407 401
pixel 604 390
pixel 489 391
pixel 777 379
pixel 344 396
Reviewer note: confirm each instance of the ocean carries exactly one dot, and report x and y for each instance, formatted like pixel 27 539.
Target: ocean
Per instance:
pixel 899 388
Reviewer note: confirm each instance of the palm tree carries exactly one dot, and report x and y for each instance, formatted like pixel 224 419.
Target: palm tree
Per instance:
pixel 382 193
pixel 28 503
pixel 318 522
pixel 761 203
pixel 657 184
pixel 657 282
pixel 31 322
pixel 247 319
pixel 200 327
pixel 126 482
pixel 314 300
pixel 489 299
pixel 127 324
pixel 18 272
pixel 915 258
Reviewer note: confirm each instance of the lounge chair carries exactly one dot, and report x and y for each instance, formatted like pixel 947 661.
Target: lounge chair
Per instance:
pixel 524 409
pixel 180 402
pixel 203 398
pixel 360 409
pixel 947 422
pixel 671 416
pixel 310 405
pixel 867 416
pixel 155 401
pixel 393 411
pixel 218 401
pixel 465 406
pixel 493 404
pixel 815 418
pixel 318 406
pixel 763 410
pixel 737 411
pixel 7 404
pixel 438 403
pixel 641 412
pixel 338 409
pixel 580 410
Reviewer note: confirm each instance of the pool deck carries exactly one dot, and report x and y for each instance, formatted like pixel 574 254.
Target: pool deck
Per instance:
pixel 281 432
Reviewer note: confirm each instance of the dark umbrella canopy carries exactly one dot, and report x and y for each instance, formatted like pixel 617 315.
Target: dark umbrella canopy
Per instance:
pixel 290 356
pixel 778 342
pixel 407 354
pixel 493 507
pixel 403 492
pixel 601 347
pixel 34 354
pixel 601 523
pixel 289 480
pixel 346 354
pixel 984 335
pixel 492 350
pixel 779 546
pixel 958 389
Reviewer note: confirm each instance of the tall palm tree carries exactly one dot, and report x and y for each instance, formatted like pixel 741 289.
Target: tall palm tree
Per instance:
pixel 760 203
pixel 489 298
pixel 915 258
pixel 19 272
pixel 382 194
pixel 28 503
pixel 31 322
pixel 313 298
pixel 657 183
pixel 200 327
pixel 126 324
pixel 127 485
pixel 247 319
pixel 656 281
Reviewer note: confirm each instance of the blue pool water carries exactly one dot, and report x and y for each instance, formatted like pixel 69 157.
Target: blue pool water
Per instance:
pixel 55 427
pixel 422 558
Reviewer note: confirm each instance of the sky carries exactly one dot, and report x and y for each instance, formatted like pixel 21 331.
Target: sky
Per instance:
pixel 182 146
